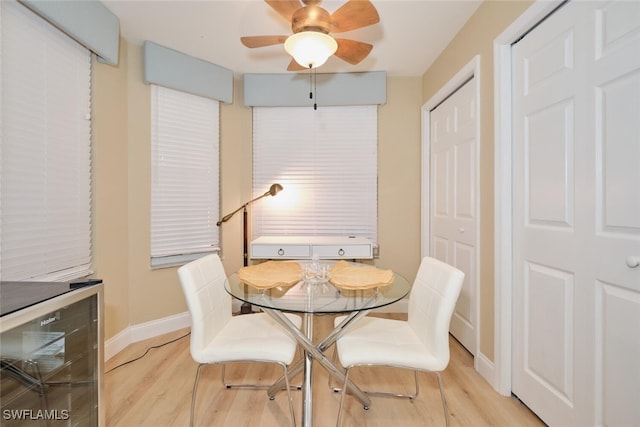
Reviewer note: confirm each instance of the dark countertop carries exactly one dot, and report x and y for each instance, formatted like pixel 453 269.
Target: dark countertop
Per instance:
pixel 15 296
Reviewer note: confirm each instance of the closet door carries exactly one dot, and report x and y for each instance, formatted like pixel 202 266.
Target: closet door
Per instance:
pixel 454 217
pixel 576 112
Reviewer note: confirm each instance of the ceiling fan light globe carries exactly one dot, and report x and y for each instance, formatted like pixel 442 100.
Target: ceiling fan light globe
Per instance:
pixel 310 49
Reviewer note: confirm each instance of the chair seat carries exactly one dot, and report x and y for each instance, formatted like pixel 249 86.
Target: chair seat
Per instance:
pixel 377 341
pixel 250 337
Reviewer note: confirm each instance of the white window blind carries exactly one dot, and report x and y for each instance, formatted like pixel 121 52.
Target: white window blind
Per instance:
pixel 185 176
pixel 326 160
pixel 45 157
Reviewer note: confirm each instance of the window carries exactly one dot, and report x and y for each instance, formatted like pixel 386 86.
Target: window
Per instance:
pixel 185 176
pixel 326 160
pixel 45 156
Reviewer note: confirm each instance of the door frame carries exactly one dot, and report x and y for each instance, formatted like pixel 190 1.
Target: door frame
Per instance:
pixel 470 70
pixel 503 178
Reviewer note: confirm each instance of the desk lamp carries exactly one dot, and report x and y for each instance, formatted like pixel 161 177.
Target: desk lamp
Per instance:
pixel 273 190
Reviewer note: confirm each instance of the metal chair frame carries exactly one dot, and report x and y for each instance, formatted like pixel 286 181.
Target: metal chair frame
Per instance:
pixel 380 393
pixel 393 395
pixel 242 386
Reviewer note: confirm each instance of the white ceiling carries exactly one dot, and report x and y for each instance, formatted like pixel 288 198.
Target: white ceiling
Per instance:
pixel 408 38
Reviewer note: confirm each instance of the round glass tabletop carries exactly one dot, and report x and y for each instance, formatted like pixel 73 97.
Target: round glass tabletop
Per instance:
pixel 318 296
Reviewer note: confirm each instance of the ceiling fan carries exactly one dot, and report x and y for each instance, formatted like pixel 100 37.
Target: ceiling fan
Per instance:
pixel 311 43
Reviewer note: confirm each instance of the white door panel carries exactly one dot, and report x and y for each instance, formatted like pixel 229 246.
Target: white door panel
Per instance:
pixel 618 201
pixel 453 216
pixel 549 146
pixel 548 353
pixel 462 323
pixel 576 157
pixel 616 352
pixel 440 167
pixel 439 248
pixel 617 216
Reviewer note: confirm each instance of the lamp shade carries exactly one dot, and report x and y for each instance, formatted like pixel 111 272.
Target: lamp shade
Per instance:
pixel 275 189
pixel 310 49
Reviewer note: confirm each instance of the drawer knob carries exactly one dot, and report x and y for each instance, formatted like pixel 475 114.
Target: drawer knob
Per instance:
pixel 633 261
pixel 280 251
pixel 341 252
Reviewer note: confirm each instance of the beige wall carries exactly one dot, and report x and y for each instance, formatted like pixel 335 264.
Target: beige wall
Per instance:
pixel 399 174
pixel 136 294
pixel 110 189
pixel 235 173
pixel 476 38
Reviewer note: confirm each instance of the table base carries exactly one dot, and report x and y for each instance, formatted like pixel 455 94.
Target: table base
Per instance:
pixel 312 351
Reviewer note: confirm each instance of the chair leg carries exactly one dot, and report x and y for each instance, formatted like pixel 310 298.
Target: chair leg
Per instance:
pixel 398 395
pixel 251 386
pixel 342 396
pixel 222 372
pixel 444 401
pixel 245 386
pixel 377 393
pixel 440 386
pixel 286 380
pixel 193 394
pixel 387 394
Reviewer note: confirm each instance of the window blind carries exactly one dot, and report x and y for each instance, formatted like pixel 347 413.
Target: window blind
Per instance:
pixel 326 160
pixel 45 157
pixel 185 176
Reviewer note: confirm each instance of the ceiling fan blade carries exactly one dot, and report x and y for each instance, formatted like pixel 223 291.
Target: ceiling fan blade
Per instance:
pixel 352 51
pixel 294 66
pixel 285 8
pixel 352 15
pixel 262 41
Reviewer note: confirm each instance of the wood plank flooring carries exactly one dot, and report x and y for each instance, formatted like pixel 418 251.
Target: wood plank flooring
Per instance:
pixel 156 391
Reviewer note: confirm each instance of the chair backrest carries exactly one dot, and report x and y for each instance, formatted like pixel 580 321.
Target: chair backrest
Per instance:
pixel 202 282
pixel 431 303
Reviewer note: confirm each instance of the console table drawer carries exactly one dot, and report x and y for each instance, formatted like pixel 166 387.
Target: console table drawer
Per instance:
pixel 306 247
pixel 347 251
pixel 274 251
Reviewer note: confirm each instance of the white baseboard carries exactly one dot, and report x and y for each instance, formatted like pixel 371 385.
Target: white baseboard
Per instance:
pixel 144 331
pixel 485 368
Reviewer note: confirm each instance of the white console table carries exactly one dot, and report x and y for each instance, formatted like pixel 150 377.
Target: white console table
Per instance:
pixel 306 247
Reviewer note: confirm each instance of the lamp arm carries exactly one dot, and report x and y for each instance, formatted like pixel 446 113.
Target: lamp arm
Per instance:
pixel 229 216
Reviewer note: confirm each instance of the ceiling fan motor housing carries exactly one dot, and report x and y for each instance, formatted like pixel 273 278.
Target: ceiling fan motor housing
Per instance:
pixel 311 18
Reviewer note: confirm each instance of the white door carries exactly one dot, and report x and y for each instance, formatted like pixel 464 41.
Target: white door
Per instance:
pixel 576 169
pixel 453 211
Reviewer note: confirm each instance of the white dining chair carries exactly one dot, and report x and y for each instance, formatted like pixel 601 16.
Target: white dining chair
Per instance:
pixel 219 337
pixel 421 343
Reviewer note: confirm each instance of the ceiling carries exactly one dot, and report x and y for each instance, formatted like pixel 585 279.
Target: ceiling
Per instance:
pixel 409 37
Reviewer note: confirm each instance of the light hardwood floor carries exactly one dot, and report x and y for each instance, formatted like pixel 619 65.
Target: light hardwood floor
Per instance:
pixel 156 391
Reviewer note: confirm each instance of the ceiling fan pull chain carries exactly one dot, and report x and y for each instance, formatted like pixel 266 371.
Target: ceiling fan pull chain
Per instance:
pixel 310 84
pixel 315 88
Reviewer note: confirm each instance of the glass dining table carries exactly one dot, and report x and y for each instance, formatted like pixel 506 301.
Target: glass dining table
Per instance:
pixel 311 297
